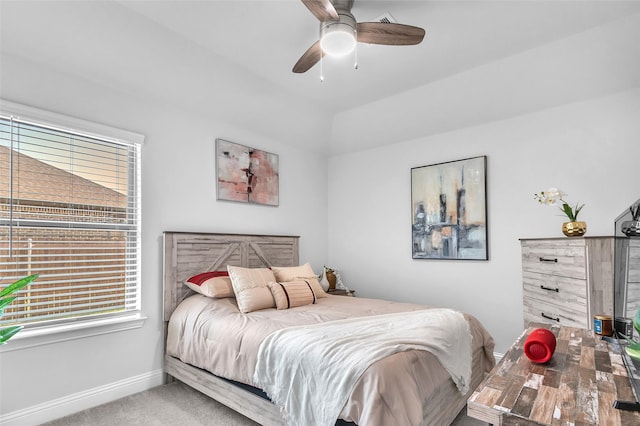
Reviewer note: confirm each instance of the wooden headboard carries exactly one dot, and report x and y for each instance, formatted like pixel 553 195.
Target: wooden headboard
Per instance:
pixel 187 254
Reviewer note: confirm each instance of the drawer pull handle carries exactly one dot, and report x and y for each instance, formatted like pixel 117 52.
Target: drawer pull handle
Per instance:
pixel 550 317
pixel 544 259
pixel 557 290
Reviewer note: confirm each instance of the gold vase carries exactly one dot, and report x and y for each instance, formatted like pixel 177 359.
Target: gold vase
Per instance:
pixel 574 229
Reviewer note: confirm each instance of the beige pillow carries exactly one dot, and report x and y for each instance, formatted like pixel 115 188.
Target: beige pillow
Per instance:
pixel 250 287
pixel 292 293
pixel 216 284
pixel 296 273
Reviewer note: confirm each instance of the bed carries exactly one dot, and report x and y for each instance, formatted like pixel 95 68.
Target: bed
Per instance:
pixel 186 254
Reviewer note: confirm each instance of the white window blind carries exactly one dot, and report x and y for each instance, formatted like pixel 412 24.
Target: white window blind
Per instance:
pixel 70 212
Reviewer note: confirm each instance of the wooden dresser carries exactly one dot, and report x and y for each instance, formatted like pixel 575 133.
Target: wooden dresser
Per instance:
pixel 567 280
pixel 578 386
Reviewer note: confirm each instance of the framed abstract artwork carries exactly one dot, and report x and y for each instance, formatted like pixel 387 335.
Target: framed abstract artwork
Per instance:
pixel 449 209
pixel 246 175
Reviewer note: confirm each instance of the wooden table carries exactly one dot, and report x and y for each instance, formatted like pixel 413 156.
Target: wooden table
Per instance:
pixel 578 386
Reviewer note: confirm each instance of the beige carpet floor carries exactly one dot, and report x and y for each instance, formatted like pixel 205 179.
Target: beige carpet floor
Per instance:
pixel 175 404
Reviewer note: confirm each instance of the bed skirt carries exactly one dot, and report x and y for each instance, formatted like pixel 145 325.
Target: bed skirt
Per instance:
pixel 443 408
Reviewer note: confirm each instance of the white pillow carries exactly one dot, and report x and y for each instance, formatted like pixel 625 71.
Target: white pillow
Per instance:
pixel 251 287
pixel 296 273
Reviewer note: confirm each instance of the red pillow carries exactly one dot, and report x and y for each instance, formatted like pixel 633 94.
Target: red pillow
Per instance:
pixel 216 284
pixel 200 278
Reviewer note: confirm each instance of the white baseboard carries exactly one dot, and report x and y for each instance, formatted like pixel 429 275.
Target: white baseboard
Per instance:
pixel 498 356
pixel 71 404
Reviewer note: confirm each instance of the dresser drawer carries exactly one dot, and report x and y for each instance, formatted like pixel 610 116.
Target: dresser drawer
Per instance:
pixel 539 311
pixel 564 258
pixel 555 290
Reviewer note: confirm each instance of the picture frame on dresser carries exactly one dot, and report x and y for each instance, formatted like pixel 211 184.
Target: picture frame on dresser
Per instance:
pixel 449 210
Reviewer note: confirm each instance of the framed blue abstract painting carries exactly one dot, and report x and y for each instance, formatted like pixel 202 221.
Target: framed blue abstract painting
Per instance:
pixel 449 210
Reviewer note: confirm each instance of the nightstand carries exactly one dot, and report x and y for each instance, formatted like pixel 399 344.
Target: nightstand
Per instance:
pixel 577 386
pixel 338 292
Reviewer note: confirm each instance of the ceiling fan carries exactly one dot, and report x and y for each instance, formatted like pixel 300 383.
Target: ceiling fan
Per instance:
pixel 339 32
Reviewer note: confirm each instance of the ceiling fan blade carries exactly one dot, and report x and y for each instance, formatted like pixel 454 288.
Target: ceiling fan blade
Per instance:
pixel 322 9
pixel 389 33
pixel 309 58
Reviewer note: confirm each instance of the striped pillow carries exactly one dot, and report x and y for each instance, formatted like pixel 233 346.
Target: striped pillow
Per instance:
pixel 292 293
pixel 297 273
pixel 216 284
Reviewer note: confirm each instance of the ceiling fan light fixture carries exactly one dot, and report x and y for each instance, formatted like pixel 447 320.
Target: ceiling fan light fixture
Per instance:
pixel 338 39
pixel 339 33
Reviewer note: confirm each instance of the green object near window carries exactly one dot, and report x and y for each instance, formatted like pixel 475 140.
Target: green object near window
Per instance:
pixel 6 297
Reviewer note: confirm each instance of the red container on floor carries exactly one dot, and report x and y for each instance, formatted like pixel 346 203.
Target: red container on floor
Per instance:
pixel 540 345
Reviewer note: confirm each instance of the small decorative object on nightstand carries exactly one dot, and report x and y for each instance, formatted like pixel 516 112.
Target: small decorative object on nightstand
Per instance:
pixel 328 278
pixel 331 277
pixel 323 279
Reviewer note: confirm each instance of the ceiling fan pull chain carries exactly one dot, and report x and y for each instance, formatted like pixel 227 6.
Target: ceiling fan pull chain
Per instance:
pixel 321 72
pixel 355 65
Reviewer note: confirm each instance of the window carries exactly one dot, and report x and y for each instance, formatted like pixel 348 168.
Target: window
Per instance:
pixel 70 212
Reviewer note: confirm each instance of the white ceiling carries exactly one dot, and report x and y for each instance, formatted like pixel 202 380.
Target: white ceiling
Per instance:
pixel 267 38
pixel 151 45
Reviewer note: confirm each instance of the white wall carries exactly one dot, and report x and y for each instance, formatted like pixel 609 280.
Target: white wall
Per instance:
pixel 594 63
pixel 564 114
pixel 589 149
pixel 178 185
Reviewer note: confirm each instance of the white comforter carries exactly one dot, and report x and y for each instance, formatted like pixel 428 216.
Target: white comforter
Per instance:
pixel 296 365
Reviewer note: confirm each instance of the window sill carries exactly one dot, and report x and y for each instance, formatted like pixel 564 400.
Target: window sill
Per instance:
pixel 61 333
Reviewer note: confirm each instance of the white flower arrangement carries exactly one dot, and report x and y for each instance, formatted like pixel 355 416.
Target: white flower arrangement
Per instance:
pixel 553 196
